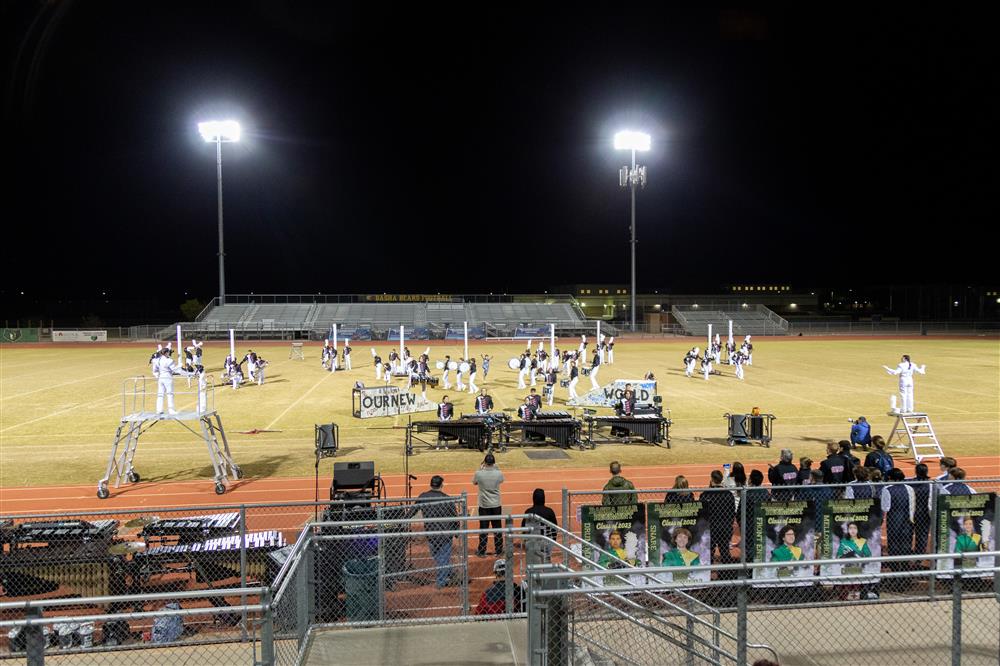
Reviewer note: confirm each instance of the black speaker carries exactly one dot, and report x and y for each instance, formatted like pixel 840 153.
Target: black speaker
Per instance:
pixel 326 440
pixel 353 475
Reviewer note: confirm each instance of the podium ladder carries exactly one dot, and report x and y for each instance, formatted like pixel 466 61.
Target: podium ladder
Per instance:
pixel 917 428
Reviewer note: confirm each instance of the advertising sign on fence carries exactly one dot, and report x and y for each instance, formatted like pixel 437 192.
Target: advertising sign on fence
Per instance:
pixel 852 528
pixel 679 536
pixel 620 529
pixel 784 532
pixel 18 335
pixel 610 394
pixel 79 336
pixel 388 401
pixel 967 524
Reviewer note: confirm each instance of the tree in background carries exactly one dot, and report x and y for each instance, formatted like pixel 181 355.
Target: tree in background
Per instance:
pixel 191 308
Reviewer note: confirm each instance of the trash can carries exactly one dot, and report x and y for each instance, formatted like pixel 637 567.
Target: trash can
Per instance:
pixel 361 589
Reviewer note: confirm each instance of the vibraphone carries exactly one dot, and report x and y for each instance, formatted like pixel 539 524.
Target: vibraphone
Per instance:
pixel 470 433
pixel 44 556
pixel 212 559
pixel 652 428
pixel 563 431
pixel 189 529
pixel 544 416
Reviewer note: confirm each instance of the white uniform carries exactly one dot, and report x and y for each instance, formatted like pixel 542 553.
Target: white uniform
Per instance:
pixel 690 359
pixel 593 371
pixel 611 350
pixel 525 366
pixel 749 346
pixel 737 360
pixel 706 365
pixel 164 368
pixel 905 372
pixel 259 372
pixel 347 355
pixel 444 375
pixel 572 384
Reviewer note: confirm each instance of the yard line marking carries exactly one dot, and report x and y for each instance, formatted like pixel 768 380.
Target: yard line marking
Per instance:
pixel 115 395
pixel 75 381
pixel 301 398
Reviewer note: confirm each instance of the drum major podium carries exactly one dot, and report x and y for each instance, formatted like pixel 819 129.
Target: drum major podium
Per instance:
pixel 196 405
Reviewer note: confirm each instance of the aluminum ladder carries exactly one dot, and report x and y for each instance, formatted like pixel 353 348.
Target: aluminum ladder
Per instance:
pixel 923 443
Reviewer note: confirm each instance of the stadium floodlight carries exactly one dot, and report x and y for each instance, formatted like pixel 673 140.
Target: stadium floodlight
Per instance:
pixel 225 131
pixel 220 132
pixel 626 140
pixel 632 177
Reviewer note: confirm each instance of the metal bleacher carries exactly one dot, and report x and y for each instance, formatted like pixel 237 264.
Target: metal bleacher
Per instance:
pixel 755 320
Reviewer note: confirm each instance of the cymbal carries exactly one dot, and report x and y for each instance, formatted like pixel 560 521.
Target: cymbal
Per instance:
pixel 126 547
pixel 141 521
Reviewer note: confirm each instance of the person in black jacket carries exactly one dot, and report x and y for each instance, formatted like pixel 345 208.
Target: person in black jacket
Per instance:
pixel 845 450
pixel 921 509
pixel 539 509
pixel 836 468
pixel 435 506
pixel 783 474
pixel 755 495
pixel 719 505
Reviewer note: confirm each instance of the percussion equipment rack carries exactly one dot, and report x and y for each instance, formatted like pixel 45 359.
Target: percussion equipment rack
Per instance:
pixel 651 428
pixel 137 419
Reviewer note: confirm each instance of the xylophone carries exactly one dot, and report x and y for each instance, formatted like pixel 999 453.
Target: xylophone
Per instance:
pixel 652 428
pixel 189 529
pixel 562 431
pixel 470 433
pixel 212 559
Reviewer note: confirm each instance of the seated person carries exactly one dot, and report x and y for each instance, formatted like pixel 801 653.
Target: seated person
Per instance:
pixel 861 433
pixel 494 598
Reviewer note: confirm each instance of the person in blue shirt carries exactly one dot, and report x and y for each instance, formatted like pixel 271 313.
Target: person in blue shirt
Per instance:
pixel 861 433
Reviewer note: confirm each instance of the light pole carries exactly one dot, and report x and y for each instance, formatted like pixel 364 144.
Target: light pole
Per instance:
pixel 219 132
pixel 632 177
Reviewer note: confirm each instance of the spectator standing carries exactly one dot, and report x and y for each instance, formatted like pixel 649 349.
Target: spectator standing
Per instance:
pixel 860 487
pixel 783 474
pixel 720 506
pixel 680 492
pixel 921 509
pixel 898 504
pixel 836 468
pixel 805 471
pixel 619 482
pixel 845 450
pixel 539 509
pixel 956 483
pixel 879 458
pixel 755 495
pixel 818 493
pixel 433 504
pixel 945 465
pixel 488 478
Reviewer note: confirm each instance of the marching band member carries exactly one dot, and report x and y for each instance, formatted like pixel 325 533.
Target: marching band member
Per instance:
pixel 706 365
pixel 164 369
pixel 486 365
pixel 378 365
pixel 543 361
pixel 905 371
pixel 527 410
pixel 749 349
pixel 251 360
pixel 582 351
pixel 533 370
pixel 423 372
pixel 393 360
pixel 236 374
pixel 626 406
pixel 347 354
pixel 535 399
pixel 611 350
pixel 445 412
pixel 737 360
pixel 259 370
pixel 152 359
pixel 689 361
pixel 445 373
pixel 406 355
pixel 484 403
pixel 472 375
pixel 595 365
pixel 227 366
pixel 550 382
pixel 525 365
pixel 459 386
pixel 326 353
pixel 574 379
pixel 717 349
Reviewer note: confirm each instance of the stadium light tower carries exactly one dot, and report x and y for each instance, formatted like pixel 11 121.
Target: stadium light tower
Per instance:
pixel 220 132
pixel 636 176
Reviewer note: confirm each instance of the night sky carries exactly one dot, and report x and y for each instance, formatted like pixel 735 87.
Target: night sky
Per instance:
pixel 423 149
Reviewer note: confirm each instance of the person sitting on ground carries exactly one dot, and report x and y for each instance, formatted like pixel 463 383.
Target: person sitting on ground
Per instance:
pixel 861 432
pixel 619 482
pixel 679 493
pixel 493 601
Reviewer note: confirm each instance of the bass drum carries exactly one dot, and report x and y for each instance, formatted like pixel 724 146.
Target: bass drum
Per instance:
pixel 453 365
pixel 439 365
pixel 514 364
pixel 464 367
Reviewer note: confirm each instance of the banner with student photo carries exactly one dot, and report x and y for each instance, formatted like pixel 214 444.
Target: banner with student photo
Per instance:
pixel 852 528
pixel 967 524
pixel 784 532
pixel 679 536
pixel 617 529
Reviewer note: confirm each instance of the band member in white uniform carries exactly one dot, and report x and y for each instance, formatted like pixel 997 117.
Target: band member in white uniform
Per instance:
pixel 689 360
pixel 459 386
pixel 445 379
pixel 550 382
pixel 486 366
pixel 484 402
pixel 472 375
pixel 611 350
pixel 533 370
pixel 423 373
pixel 905 371
pixel 525 366
pixel 595 365
pixel 259 370
pixel 393 361
pixel 164 369
pixel 737 360
pixel 749 349
pixel 582 350
pixel 326 353
pixel 347 354
pixel 251 360
pixel 717 348
pixel 378 364
pixel 236 374
pixel 574 379
pixel 706 365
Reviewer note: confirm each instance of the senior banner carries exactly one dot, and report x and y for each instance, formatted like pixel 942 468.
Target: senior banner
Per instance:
pixel 679 537
pixel 610 394
pixel 784 532
pixel 79 336
pixel 378 401
pixel 620 529
pixel 851 529
pixel 967 524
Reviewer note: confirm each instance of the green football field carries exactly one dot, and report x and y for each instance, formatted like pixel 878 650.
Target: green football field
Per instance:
pixel 60 406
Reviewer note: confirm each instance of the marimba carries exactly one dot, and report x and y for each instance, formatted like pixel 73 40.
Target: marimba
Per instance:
pixel 562 431
pixel 212 559
pixel 188 529
pixel 470 433
pixel 652 428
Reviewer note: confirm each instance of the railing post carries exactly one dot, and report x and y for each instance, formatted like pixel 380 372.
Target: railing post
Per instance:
pixel 305 591
pixel 956 612
pixel 35 639
pixel 267 630
pixel 536 619
pixel 508 553
pixel 380 581
pixel 932 539
pixel 465 555
pixel 741 623
pixel 243 568
pixel 567 523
